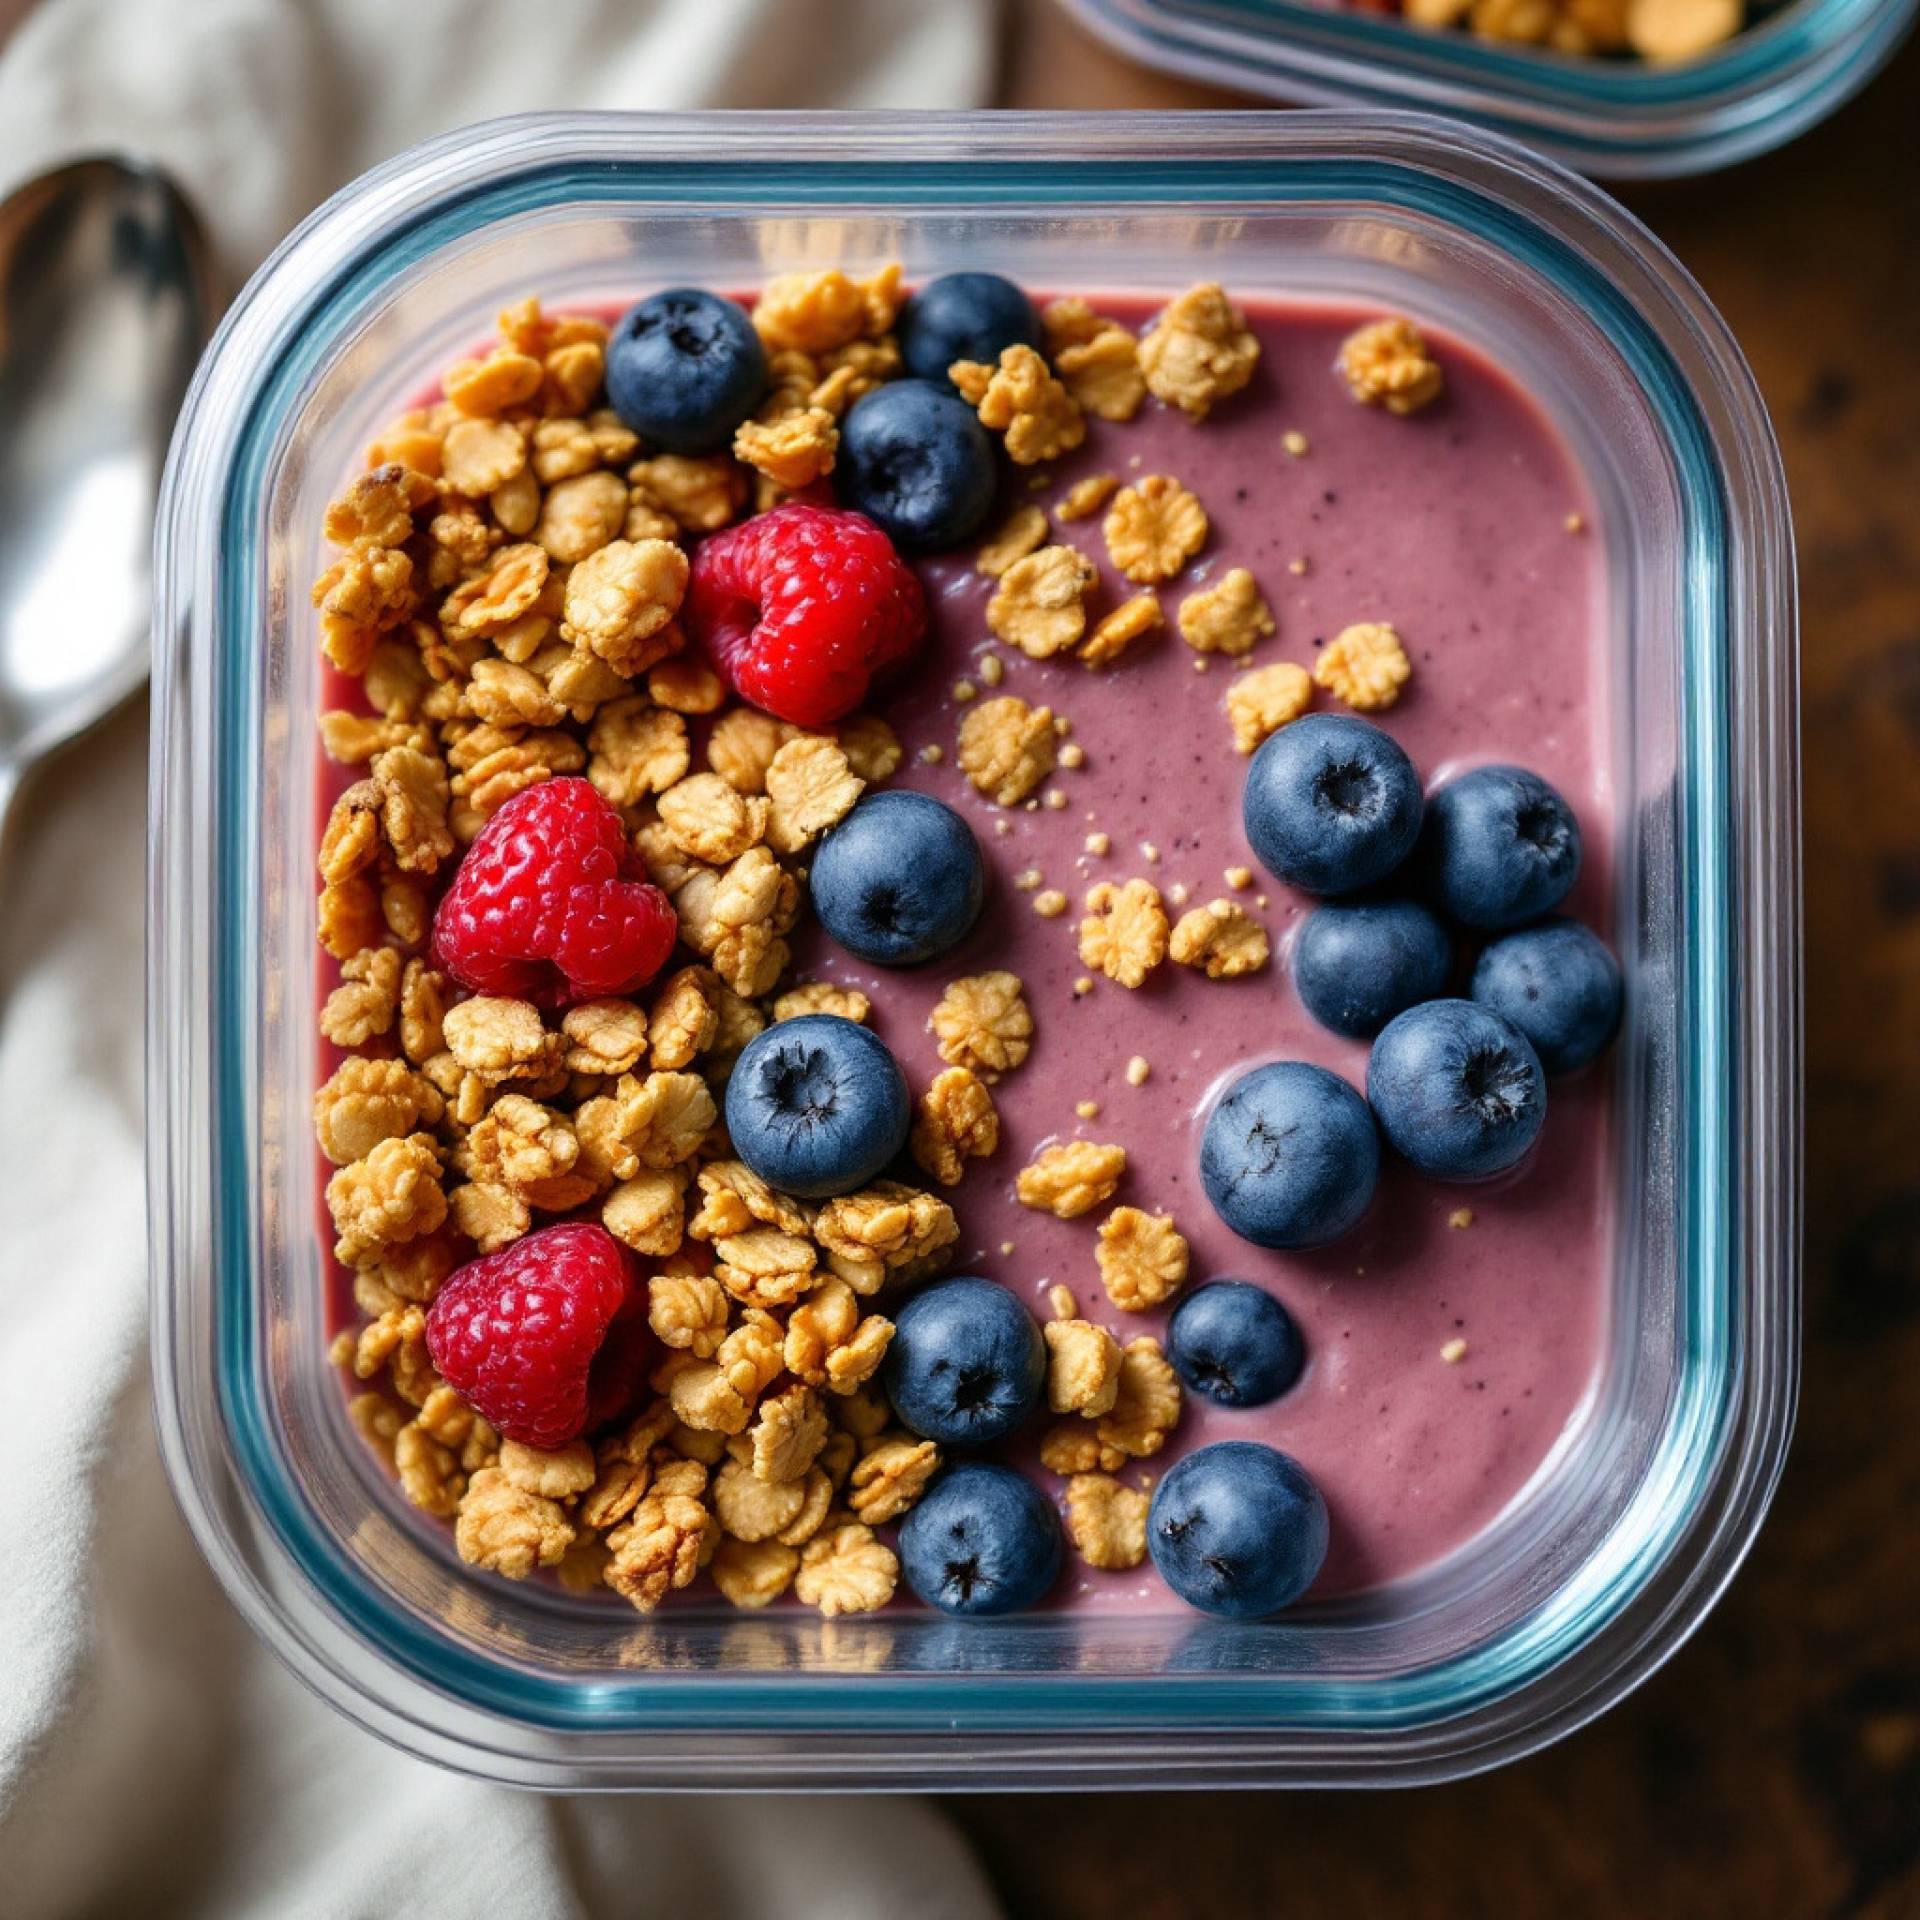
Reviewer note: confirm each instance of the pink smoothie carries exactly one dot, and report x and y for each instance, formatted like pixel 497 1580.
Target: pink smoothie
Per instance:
pixel 1452 525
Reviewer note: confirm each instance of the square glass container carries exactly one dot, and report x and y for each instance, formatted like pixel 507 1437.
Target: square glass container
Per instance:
pixel 1615 118
pixel 1582 1587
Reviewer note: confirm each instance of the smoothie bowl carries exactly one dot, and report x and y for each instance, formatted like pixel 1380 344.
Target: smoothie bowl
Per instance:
pixel 939 730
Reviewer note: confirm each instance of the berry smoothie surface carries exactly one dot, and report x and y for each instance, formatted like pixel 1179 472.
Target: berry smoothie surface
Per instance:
pixel 1454 1338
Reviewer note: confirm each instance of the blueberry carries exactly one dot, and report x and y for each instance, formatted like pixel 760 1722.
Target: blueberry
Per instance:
pixel 684 368
pixel 1237 1529
pixel 964 316
pixel 1290 1156
pixel 817 1106
pixel 915 458
pixel 1457 1090
pixel 900 879
pixel 1356 964
pixel 1332 804
pixel 966 1362
pixel 981 1540
pixel 1502 847
pixel 1559 985
pixel 1235 1343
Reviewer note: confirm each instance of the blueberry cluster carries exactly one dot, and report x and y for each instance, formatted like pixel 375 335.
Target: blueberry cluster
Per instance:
pixel 1457 1086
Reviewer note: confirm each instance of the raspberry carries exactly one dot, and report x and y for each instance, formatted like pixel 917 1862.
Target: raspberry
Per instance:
pixel 801 607
pixel 545 1338
pixel 551 904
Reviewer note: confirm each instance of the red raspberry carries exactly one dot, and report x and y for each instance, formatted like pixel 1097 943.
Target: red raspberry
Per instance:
pixel 546 1337
pixel 551 904
pixel 801 607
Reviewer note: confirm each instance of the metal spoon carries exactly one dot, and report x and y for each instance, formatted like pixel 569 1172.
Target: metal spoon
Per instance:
pixel 105 302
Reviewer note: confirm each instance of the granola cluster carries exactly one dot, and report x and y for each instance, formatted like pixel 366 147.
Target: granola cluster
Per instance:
pixel 510 570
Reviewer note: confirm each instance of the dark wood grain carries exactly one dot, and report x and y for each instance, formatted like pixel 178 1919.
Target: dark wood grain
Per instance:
pixel 1773 1768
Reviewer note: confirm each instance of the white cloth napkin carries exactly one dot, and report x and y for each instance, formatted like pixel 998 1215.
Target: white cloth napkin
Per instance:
pixel 153 1757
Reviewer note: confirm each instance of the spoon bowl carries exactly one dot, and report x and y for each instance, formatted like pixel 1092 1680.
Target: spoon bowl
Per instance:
pixel 105 303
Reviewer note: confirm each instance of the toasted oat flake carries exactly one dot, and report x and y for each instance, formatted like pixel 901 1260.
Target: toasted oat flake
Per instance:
pixel 846 1569
pixel 1040 606
pixel 636 749
pixel 1007 747
pixel 1019 534
pixel 710 821
pixel 1114 636
pixel 1153 528
pixel 981 1022
pixel 1107 1521
pixel 955 1122
pixel 822 996
pixel 1365 665
pixel 363 1006
pixel 1265 700
pixel 1070 1178
pixel 1147 1407
pixel 1199 351
pixel 508 1530
pixel 1021 400
pixel 1387 363
pixel 500 1039
pixel 1142 1258
pixel 1124 933
pixel 368 1101
pixel 1229 617
pixel 890 1477
pixel 620 602
pixel 1083 1366
pixel 794 450
pixel 810 786
pixel 1221 938
pixel 886 1231
pixel 1103 374
pixel 753 1574
pixel 818 312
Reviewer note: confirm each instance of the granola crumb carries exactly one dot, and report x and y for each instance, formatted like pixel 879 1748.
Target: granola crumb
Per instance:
pixel 1365 666
pixel 1073 756
pixel 1263 701
pixel 932 754
pixel 1388 363
pixel 1142 1258
pixel 1153 528
pixel 955 1122
pixel 1294 442
pixel 1124 933
pixel 1230 617
pixel 1199 351
pixel 1021 400
pixel 1107 1521
pixel 1575 523
pixel 1239 877
pixel 1070 1178
pixel 1222 939
pixel 1050 904
pixel 1040 606
pixel 1083 986
pixel 1022 532
pixel 992 669
pixel 1115 634
pixel 1007 748
pixel 1297 567
pixel 1460 1218
pixel 1139 1068
pixel 1454 1351
pixel 982 1023
pixel 1099 844
pixel 1086 497
pixel 1087 1109
pixel 963 691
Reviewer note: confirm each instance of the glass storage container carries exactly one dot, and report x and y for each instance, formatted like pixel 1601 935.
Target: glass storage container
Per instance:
pixel 1589 1581
pixel 1616 118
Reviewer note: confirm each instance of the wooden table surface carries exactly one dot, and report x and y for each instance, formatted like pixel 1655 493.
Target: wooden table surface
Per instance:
pixel 1773 1767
